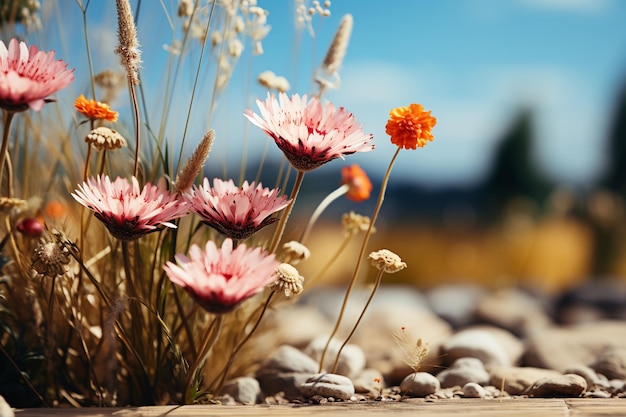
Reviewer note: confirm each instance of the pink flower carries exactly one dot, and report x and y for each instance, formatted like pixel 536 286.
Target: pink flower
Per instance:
pixel 308 134
pixel 220 279
pixel 28 76
pixel 128 211
pixel 236 212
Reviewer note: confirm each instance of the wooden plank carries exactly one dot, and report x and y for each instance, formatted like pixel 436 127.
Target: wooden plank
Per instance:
pixel 443 408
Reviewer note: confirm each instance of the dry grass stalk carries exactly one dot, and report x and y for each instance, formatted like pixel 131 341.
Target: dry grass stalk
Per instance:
pixel 128 48
pixel 193 166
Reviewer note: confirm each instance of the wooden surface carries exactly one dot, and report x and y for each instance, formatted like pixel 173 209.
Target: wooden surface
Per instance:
pixel 523 407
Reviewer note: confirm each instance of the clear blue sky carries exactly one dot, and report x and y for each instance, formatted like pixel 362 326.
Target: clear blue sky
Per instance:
pixel 475 63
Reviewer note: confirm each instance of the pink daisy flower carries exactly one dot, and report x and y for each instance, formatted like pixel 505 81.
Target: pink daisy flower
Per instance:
pixel 308 133
pixel 28 76
pixel 236 212
pixel 220 279
pixel 128 211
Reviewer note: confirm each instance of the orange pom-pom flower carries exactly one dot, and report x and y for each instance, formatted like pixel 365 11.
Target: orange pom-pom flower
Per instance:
pixel 410 127
pixel 94 109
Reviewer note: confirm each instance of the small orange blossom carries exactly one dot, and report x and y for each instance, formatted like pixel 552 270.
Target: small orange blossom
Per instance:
pixel 410 127
pixel 95 109
pixel 358 182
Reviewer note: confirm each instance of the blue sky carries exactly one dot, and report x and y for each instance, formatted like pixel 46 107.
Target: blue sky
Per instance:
pixel 474 63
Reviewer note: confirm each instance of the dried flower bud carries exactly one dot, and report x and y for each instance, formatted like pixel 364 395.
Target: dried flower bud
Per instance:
pixel 354 223
pixel 104 138
pixel 295 252
pixel 386 261
pixel 50 259
pixel 289 281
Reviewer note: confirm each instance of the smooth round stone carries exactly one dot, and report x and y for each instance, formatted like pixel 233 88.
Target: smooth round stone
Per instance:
pixel 351 361
pixel 419 384
pixel 473 390
pixel 515 380
pixel 462 371
pixel 244 390
pixel 611 363
pixel 328 385
pixel 568 385
pixel 493 346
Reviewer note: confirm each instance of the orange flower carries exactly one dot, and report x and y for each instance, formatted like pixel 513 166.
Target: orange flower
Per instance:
pixel 409 127
pixel 95 109
pixel 359 184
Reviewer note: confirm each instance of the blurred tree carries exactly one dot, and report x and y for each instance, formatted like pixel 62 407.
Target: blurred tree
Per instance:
pixel 614 177
pixel 609 229
pixel 514 172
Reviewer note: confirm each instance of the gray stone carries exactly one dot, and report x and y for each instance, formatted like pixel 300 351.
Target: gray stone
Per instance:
pixel 328 385
pixel 289 359
pixel 244 390
pixel 473 390
pixel 586 372
pixel 568 385
pixel 285 371
pixel 611 363
pixel 516 380
pixel 514 310
pixel 456 303
pixel 462 371
pixel 419 384
pixel 369 381
pixel 493 346
pixel 560 347
pixel 351 361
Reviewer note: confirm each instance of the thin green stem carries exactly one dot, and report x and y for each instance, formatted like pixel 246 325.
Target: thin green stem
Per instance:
pixel 379 203
pixel 209 340
pixel 8 121
pixel 278 233
pixel 320 209
pixel 379 279
pixel 242 343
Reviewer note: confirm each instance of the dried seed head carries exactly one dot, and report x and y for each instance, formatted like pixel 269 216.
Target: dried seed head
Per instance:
pixel 50 259
pixel 338 47
pixel 108 79
pixel 354 223
pixel 128 48
pixel 9 203
pixel 189 172
pixel 295 252
pixel 185 8
pixel 272 81
pixel 289 281
pixel 104 138
pixel 387 261
pixel 328 75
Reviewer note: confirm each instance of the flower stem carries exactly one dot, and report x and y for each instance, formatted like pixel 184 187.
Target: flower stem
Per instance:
pixel 379 203
pixel 278 233
pixel 207 344
pixel 369 300
pixel 240 345
pixel 321 207
pixel 133 96
pixel 8 120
